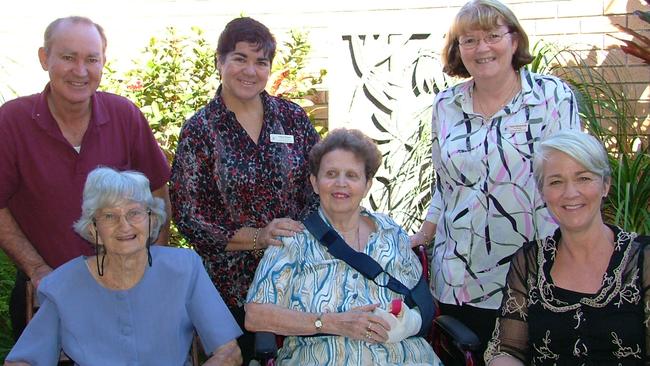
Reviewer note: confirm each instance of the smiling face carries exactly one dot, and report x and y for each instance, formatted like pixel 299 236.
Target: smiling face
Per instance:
pixel 572 194
pixel 244 72
pixel 489 61
pixel 123 228
pixel 74 62
pixel 341 182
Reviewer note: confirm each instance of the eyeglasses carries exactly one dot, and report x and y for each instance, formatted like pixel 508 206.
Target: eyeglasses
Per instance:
pixel 134 216
pixel 469 43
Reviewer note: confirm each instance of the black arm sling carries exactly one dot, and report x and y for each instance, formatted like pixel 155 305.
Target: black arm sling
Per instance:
pixel 419 295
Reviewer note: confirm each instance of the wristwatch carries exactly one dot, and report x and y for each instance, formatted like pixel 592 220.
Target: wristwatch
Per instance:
pixel 318 323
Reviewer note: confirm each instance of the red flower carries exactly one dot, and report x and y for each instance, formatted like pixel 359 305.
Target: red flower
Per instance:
pixel 137 85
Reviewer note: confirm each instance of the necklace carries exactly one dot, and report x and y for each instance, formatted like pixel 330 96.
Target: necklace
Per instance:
pixel 485 112
pixel 359 237
pixel 356 243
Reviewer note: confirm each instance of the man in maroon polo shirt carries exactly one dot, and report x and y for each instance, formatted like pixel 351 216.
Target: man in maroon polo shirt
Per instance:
pixel 50 141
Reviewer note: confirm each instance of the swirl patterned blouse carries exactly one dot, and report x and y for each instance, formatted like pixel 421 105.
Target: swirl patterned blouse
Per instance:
pixel 542 324
pixel 302 275
pixel 485 203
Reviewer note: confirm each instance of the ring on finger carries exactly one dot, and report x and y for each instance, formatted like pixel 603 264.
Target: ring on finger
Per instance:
pixel 368 334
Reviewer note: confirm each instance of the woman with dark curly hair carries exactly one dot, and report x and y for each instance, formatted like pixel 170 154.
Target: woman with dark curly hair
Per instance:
pixel 239 179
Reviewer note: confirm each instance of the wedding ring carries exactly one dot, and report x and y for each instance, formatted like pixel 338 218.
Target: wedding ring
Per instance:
pixel 368 334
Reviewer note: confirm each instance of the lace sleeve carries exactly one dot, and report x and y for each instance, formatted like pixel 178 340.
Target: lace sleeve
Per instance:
pixel 510 335
pixel 645 257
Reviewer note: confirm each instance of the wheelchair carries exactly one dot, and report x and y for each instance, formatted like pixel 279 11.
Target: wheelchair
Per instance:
pixel 453 342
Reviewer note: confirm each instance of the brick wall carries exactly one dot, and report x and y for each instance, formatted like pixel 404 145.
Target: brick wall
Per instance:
pixel 581 24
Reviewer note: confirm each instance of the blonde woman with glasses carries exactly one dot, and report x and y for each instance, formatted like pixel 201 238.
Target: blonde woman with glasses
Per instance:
pixel 485 132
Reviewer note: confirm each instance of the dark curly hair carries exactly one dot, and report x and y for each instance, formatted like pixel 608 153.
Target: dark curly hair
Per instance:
pixel 350 140
pixel 249 30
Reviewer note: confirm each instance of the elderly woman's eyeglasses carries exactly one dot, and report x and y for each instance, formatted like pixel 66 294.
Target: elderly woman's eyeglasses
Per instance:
pixel 469 43
pixel 111 219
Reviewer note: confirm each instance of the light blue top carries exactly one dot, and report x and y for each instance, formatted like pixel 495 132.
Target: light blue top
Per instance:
pixel 149 324
pixel 302 275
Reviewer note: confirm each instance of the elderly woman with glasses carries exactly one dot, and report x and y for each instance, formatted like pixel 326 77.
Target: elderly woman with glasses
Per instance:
pixel 485 132
pixel 579 296
pixel 131 303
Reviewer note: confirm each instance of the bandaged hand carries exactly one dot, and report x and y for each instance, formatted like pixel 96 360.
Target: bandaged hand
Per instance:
pixel 407 323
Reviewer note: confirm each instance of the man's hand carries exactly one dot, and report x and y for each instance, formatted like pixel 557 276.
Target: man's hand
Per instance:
pixel 228 354
pixel 39 272
pixel 17 247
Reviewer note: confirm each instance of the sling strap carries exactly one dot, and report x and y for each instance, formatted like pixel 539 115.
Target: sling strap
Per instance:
pixel 419 295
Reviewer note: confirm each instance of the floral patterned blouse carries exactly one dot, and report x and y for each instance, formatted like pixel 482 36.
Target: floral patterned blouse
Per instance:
pixel 485 203
pixel 302 275
pixel 542 324
pixel 222 181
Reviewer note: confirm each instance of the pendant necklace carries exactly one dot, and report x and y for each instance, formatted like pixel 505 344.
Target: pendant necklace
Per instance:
pixel 508 97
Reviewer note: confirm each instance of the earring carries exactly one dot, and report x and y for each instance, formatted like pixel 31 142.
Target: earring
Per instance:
pixel 100 268
pixel 149 240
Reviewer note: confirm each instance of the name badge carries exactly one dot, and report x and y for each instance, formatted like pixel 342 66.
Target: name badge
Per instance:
pixel 283 139
pixel 517 128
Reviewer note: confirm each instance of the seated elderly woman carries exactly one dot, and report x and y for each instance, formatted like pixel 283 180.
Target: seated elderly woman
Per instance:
pixel 131 303
pixel 331 313
pixel 578 297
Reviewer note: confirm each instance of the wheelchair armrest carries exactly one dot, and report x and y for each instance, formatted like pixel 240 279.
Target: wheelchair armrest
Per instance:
pixel 460 335
pixel 265 346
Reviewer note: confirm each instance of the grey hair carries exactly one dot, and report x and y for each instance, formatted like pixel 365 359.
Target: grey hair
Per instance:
pixel 107 187
pixel 587 150
pixel 52 27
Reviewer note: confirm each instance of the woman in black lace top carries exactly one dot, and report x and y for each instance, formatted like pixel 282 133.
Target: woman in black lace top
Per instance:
pixel 579 297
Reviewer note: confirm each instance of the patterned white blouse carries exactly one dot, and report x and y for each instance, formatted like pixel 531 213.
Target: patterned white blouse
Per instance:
pixel 485 203
pixel 302 275
pixel 542 324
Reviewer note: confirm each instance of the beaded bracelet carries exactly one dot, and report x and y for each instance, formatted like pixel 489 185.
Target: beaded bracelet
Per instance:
pixel 427 239
pixel 256 252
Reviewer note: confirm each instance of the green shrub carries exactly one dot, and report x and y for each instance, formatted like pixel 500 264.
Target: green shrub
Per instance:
pixel 289 78
pixel 173 78
pixel 7 275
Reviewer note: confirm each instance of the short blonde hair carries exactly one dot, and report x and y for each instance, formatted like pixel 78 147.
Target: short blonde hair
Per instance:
pixel 484 15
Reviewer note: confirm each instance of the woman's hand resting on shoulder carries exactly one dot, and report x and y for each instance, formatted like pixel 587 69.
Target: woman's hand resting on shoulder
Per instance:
pixel 271 233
